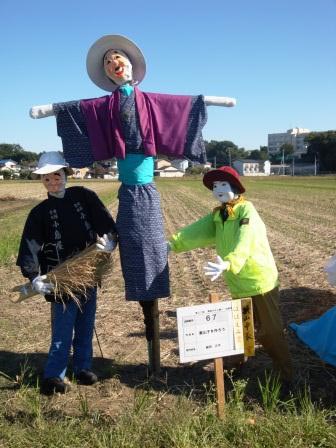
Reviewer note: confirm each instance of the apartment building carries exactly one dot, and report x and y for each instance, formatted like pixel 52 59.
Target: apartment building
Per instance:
pixel 294 136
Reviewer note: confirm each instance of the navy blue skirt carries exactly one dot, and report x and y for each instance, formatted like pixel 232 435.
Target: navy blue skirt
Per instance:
pixel 142 243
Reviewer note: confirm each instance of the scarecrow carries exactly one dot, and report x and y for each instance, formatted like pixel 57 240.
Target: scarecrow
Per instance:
pixel 61 226
pixel 244 258
pixel 134 127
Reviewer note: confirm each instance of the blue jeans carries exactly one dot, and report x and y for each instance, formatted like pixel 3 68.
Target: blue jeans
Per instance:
pixel 71 326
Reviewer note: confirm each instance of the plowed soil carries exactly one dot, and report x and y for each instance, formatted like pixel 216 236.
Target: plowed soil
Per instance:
pixel 300 218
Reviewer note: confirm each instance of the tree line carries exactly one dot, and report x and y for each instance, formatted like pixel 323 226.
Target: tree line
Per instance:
pixel 225 152
pixel 321 148
pixel 17 153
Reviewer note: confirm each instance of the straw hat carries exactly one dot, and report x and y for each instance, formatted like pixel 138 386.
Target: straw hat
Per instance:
pixel 50 162
pixel 95 57
pixel 223 174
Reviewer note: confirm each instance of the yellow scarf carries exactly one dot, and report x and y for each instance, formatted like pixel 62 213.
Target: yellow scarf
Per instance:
pixel 227 207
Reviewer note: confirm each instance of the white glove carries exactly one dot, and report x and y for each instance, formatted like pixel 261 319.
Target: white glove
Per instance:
pixel 39 285
pixel 216 269
pixel 106 243
pixel 41 111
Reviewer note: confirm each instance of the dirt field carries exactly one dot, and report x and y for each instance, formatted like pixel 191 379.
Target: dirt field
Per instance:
pixel 300 218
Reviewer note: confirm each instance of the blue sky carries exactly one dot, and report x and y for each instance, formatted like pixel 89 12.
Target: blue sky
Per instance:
pixel 276 57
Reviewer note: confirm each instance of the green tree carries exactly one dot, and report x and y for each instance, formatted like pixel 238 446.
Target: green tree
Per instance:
pixel 7 174
pixel 16 153
pixel 26 174
pixel 288 150
pixel 259 154
pixel 264 153
pixel 225 152
pixel 193 170
pixel 322 146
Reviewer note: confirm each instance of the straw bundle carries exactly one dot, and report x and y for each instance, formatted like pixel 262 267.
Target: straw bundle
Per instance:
pixel 74 276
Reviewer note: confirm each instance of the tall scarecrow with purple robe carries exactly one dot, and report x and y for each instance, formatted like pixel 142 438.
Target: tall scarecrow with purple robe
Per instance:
pixel 133 127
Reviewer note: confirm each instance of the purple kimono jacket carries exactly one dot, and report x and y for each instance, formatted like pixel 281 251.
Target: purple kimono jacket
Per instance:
pixel 169 125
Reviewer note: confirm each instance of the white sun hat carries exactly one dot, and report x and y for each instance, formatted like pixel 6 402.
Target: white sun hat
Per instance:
pixel 50 162
pixel 95 60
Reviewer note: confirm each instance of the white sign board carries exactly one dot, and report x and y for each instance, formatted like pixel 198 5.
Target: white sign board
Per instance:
pixel 208 331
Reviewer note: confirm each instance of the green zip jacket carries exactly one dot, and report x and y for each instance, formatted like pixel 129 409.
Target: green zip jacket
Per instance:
pixel 242 241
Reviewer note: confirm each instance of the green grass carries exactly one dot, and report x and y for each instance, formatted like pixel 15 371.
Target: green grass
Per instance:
pixel 108 197
pixel 298 183
pixel 252 184
pixel 10 234
pixel 28 420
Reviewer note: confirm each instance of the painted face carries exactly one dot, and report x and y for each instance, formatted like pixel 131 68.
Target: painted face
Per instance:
pixel 223 191
pixel 54 182
pixel 117 67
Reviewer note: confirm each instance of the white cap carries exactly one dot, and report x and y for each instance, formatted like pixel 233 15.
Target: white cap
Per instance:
pixel 50 162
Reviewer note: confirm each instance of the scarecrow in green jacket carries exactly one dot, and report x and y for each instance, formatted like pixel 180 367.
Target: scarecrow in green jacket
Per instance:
pixel 244 258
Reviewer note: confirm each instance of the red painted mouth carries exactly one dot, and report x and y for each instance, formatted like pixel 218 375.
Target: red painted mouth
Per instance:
pixel 119 71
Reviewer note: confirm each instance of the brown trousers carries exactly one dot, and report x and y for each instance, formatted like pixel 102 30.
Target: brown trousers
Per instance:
pixel 269 331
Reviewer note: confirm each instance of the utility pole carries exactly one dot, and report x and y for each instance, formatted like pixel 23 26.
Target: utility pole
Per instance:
pixel 215 166
pixel 315 166
pixel 283 161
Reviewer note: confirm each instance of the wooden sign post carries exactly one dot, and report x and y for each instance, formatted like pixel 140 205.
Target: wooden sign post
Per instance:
pixel 219 374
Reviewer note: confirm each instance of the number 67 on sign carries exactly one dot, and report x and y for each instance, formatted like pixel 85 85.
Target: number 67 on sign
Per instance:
pixel 215 330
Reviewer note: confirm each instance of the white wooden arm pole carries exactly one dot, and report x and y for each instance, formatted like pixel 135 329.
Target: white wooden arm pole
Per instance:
pixel 41 111
pixel 223 101
pixel 46 110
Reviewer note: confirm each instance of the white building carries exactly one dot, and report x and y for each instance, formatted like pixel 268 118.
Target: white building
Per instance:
pixel 8 164
pixel 293 137
pixel 163 168
pixel 169 171
pixel 80 173
pixel 180 164
pixel 247 167
pixel 267 168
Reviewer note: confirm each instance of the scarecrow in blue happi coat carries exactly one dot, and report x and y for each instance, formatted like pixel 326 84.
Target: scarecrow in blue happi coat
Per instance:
pixel 134 127
pixel 64 224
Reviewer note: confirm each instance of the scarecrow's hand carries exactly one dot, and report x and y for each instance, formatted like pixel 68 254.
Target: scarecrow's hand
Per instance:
pixel 46 110
pixel 216 269
pixel 106 243
pixel 220 101
pixel 41 286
